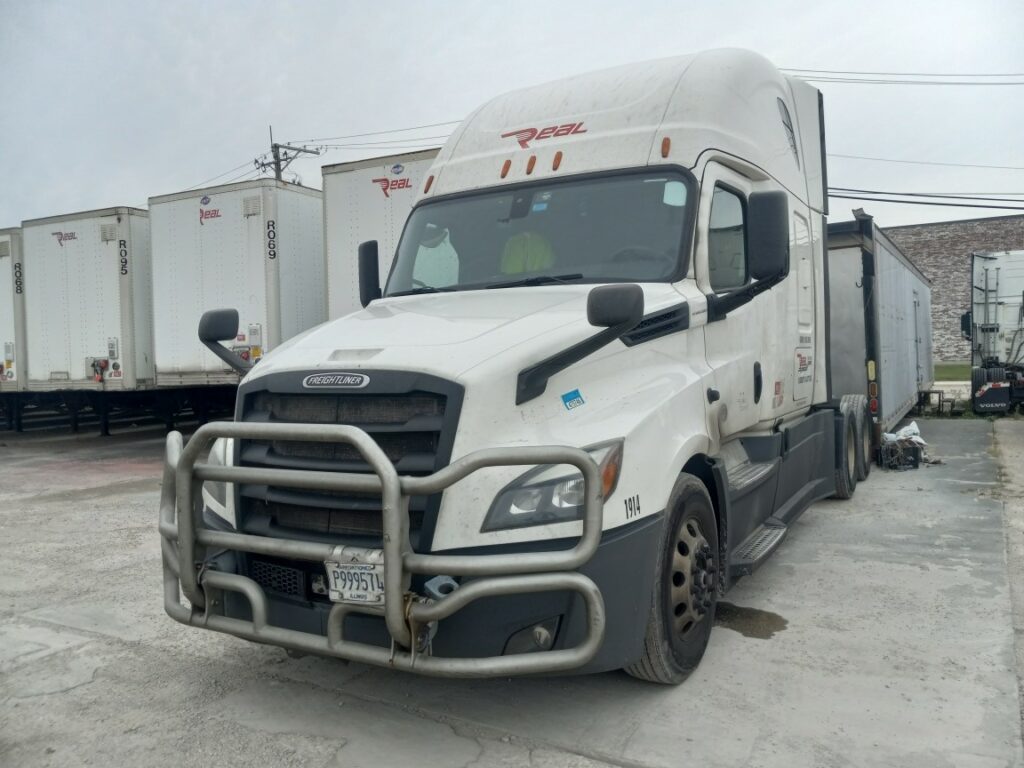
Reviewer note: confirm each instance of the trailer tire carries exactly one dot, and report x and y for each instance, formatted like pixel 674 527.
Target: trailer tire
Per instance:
pixel 846 455
pixel 857 406
pixel 686 588
pixel 978 380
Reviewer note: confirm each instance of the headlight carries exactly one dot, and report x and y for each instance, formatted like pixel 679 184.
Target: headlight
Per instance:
pixel 550 494
pixel 215 493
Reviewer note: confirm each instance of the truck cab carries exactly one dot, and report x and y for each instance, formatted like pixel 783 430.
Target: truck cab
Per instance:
pixel 590 394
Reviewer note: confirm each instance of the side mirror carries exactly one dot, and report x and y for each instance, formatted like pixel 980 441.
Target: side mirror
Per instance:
pixel 966 321
pixel 217 325
pixel 768 235
pixel 609 306
pixel 369 272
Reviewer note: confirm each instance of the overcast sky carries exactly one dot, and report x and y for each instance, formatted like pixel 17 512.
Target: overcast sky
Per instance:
pixel 109 103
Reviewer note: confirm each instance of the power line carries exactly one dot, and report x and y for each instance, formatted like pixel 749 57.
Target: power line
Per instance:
pixel 878 81
pixel 376 133
pixel 392 141
pixel 929 162
pixel 946 195
pixel 230 170
pixel 904 74
pixel 928 202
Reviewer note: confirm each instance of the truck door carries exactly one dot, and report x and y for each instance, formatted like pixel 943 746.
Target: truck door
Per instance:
pixel 732 344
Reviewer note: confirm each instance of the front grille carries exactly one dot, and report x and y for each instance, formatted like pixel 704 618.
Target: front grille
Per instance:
pixel 278 578
pixel 413 428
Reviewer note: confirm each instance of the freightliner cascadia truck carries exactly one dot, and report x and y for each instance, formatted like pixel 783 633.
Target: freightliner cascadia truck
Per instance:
pixel 592 393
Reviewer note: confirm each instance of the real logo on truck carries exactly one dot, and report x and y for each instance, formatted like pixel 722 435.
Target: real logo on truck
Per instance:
pixel 525 135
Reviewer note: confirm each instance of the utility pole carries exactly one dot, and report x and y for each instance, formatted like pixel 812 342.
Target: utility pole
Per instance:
pixel 282 158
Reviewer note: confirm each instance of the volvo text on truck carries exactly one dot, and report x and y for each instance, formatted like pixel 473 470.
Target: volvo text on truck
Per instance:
pixel 88 309
pixel 995 327
pixel 593 392
pixel 365 200
pixel 256 246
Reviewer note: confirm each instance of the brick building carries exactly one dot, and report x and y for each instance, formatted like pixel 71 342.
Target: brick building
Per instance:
pixel 943 252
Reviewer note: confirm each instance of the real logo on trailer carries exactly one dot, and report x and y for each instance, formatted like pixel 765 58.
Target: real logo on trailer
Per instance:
pixel 336 380
pixel 62 236
pixel 388 186
pixel 208 213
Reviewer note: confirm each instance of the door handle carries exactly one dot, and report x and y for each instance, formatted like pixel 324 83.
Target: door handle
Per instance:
pixel 758 383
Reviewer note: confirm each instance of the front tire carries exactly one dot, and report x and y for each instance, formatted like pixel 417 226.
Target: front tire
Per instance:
pixel 686 589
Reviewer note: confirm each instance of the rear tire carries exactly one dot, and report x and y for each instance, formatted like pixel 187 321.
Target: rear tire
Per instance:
pixel 846 456
pixel 996 374
pixel 978 380
pixel 857 406
pixel 686 588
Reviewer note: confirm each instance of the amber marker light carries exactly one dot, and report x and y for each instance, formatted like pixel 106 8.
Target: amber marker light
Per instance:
pixel 426 187
pixel 557 161
pixel 666 145
pixel 505 167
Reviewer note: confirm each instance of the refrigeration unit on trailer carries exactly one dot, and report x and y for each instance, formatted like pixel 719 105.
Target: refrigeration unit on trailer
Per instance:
pixel 995 327
pixel 592 394
pixel 366 200
pixel 880 332
pixel 88 306
pixel 12 321
pixel 256 246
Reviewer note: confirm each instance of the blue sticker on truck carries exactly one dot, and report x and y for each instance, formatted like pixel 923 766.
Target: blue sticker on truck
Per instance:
pixel 572 399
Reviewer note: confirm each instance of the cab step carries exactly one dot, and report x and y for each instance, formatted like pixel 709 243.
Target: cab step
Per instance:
pixel 748 475
pixel 757 547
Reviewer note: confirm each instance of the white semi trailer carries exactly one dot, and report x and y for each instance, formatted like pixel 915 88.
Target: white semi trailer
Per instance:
pixel 995 327
pixel 88 309
pixel 254 245
pixel 593 392
pixel 12 323
pixel 880 326
pixel 366 200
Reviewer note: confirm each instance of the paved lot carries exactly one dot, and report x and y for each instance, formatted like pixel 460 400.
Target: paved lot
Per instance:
pixel 880 634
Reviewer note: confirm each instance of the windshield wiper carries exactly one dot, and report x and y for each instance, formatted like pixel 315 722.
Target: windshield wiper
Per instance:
pixel 422 289
pixel 538 280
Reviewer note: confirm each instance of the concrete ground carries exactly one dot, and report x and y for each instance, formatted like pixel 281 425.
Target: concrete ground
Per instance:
pixel 882 633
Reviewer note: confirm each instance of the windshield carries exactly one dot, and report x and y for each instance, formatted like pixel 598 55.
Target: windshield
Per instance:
pixel 627 227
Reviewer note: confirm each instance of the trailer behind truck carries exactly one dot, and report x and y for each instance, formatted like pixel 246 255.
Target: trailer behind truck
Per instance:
pixel 592 394
pixel 12 324
pixel 366 200
pixel 880 334
pixel 995 327
pixel 254 245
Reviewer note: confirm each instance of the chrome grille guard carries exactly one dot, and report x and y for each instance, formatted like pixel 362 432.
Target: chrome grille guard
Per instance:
pixel 184 541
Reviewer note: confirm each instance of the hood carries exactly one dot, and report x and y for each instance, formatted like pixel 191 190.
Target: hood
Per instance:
pixel 447 334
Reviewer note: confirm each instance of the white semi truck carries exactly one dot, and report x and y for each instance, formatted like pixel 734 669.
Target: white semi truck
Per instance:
pixel 995 327
pixel 593 392
pixel 253 245
pixel 366 200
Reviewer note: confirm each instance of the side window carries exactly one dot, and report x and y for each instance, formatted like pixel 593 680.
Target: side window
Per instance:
pixel 727 241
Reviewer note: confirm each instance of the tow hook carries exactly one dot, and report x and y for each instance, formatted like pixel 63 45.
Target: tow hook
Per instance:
pixel 422 634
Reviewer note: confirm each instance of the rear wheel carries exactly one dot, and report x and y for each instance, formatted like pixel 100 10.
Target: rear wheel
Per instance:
pixel 978 379
pixel 846 456
pixel 996 374
pixel 686 590
pixel 857 407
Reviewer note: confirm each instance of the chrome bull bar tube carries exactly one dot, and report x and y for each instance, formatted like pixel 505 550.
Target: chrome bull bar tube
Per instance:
pixel 184 540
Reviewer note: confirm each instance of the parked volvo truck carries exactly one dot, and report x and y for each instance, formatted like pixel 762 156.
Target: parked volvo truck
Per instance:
pixel 592 393
pixel 995 327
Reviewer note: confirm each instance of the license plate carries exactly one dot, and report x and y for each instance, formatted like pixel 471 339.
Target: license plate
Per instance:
pixel 357 576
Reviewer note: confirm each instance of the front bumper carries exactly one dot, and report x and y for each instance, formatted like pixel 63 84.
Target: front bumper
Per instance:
pixel 410 619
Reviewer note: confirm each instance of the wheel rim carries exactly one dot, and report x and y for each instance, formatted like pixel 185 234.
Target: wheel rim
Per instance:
pixel 692 578
pixel 851 453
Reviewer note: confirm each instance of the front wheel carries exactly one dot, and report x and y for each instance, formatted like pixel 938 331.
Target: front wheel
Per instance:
pixel 686 590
